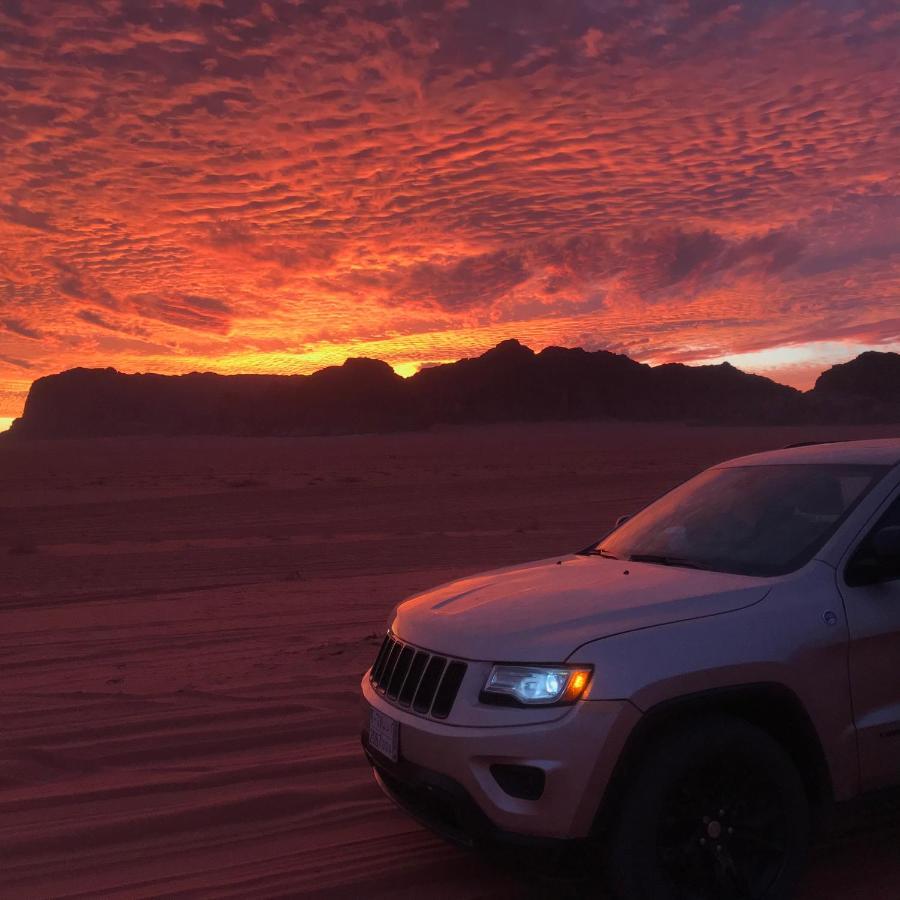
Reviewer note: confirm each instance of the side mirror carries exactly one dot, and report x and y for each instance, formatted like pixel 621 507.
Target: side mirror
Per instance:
pixel 886 546
pixel 622 520
pixel 878 559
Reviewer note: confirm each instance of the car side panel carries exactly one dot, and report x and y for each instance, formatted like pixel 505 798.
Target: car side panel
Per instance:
pixel 796 637
pixel 873 614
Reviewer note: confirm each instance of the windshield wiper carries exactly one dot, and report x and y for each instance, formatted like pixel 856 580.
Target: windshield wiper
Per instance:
pixel 663 560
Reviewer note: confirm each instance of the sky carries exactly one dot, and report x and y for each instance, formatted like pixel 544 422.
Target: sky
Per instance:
pixel 275 186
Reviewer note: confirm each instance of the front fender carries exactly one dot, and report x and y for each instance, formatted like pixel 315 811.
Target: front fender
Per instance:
pixel 786 639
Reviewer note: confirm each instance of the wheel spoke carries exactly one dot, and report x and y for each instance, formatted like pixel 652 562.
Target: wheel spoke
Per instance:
pixel 740 888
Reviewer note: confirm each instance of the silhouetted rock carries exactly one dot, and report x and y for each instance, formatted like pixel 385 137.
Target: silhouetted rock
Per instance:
pixel 361 395
pixel 512 382
pixel 723 394
pixel 865 389
pixel 873 375
pixel 508 383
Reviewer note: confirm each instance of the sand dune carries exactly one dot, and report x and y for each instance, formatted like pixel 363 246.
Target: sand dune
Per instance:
pixel 183 624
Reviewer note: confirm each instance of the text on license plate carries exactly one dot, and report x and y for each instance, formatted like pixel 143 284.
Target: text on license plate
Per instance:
pixel 384 734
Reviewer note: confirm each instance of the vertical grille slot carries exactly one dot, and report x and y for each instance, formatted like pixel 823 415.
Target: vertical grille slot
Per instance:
pixel 378 667
pixel 412 680
pixel 400 672
pixel 449 687
pixel 389 666
pixel 429 684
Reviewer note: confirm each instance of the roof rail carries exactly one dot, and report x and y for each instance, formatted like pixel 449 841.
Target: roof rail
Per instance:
pixel 813 443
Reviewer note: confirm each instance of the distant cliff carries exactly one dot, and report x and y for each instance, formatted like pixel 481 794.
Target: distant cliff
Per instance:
pixel 508 383
pixel 865 389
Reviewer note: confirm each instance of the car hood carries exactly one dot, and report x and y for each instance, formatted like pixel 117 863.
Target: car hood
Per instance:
pixel 543 611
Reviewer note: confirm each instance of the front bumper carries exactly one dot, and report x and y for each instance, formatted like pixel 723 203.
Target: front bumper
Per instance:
pixel 443 775
pixel 443 805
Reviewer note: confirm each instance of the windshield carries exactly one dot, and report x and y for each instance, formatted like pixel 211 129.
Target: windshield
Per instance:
pixel 748 520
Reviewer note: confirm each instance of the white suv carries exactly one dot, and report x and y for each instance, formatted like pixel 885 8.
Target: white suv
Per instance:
pixel 686 693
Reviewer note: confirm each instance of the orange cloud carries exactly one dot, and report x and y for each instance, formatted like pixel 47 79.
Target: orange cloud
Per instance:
pixel 273 186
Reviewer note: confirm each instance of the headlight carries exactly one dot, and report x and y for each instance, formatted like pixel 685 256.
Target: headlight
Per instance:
pixel 536 685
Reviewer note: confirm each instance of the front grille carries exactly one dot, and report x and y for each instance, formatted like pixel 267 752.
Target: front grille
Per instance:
pixel 413 678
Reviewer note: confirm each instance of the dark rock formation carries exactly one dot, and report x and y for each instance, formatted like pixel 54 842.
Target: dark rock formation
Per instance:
pixel 865 389
pixel 508 383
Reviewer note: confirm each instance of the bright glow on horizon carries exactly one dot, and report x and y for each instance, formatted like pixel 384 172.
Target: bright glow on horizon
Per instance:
pixel 5 422
pixel 797 365
pixel 406 369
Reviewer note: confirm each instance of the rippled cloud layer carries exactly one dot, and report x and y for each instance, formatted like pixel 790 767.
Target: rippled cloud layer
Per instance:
pixel 272 186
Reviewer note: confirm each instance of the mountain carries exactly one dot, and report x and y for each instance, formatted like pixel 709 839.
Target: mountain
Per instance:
pixel 864 389
pixel 508 383
pixel 873 376
pixel 512 382
pixel 361 395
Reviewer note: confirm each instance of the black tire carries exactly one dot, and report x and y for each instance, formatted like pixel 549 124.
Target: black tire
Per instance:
pixel 671 838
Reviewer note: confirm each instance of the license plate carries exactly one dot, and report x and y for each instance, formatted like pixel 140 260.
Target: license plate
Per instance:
pixel 384 734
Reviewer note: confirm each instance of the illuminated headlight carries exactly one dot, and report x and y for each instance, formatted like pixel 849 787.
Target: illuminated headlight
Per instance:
pixel 537 685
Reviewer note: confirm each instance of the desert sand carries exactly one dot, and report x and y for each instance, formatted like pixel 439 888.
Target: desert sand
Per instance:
pixel 184 623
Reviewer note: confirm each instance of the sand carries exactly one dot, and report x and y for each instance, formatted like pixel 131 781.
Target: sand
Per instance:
pixel 184 622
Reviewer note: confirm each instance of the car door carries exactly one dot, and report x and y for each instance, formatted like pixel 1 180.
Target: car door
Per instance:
pixel 873 617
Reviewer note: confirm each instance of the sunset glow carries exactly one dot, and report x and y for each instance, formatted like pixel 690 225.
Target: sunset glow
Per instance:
pixel 272 187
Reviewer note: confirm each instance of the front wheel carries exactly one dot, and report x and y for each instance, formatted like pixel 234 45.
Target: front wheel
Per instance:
pixel 716 811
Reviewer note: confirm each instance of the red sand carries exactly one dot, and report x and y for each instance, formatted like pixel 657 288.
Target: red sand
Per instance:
pixel 183 625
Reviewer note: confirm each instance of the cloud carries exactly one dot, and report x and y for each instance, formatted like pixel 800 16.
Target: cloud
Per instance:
pixel 464 283
pixel 184 310
pixel 14 326
pixel 16 363
pixel 227 180
pixel 19 215
pixel 94 318
pixel 78 285
pixel 677 263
